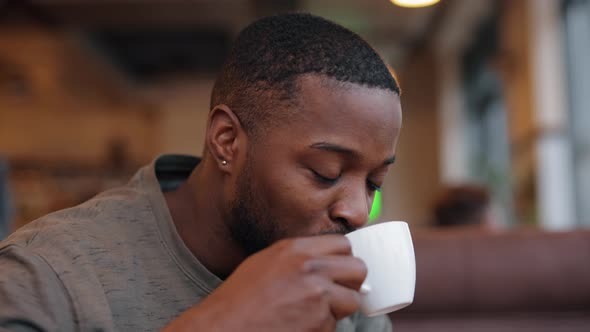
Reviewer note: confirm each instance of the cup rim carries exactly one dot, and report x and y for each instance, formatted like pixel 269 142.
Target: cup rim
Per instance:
pixel 380 224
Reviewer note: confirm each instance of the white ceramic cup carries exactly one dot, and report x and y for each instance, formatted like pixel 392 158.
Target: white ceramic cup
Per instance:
pixel 387 250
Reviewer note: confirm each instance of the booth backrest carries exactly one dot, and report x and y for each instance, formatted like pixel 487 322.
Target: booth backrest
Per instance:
pixel 525 279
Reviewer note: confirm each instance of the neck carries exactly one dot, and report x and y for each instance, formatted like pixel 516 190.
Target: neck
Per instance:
pixel 198 214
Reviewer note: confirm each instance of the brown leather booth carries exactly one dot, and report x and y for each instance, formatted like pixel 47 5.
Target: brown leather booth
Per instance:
pixel 514 281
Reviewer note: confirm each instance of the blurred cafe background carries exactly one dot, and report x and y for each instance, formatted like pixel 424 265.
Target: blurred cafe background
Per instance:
pixel 495 95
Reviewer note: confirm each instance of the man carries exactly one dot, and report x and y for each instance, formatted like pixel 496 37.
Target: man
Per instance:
pixel 302 130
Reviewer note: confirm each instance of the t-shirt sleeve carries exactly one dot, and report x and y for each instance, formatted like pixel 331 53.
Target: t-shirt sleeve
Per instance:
pixel 372 324
pixel 32 298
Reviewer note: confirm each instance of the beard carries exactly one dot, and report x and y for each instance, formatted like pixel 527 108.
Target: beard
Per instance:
pixel 248 226
pixel 251 225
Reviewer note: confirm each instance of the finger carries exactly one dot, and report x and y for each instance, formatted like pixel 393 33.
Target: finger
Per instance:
pixel 343 301
pixel 347 271
pixel 333 244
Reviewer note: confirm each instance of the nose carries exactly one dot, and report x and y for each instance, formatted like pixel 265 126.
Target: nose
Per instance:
pixel 352 208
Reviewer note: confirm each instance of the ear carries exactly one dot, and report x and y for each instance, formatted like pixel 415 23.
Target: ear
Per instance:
pixel 224 136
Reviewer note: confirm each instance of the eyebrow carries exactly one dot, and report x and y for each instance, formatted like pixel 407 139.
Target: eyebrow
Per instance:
pixel 346 151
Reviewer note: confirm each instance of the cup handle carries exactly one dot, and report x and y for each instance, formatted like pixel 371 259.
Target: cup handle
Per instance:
pixel 365 289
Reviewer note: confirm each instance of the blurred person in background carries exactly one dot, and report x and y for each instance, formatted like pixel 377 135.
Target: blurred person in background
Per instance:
pixel 5 201
pixel 465 206
pixel 302 130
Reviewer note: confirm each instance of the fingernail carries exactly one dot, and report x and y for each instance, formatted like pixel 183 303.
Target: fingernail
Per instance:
pixel 365 289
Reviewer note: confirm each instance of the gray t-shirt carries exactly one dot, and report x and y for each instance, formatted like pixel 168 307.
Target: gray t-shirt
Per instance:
pixel 113 263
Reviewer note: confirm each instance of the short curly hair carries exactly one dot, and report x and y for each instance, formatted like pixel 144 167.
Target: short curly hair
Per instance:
pixel 269 54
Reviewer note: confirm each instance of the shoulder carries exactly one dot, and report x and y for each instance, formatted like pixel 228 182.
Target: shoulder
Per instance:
pixel 65 258
pixel 83 222
pixel 94 235
pixel 62 260
pixel 32 291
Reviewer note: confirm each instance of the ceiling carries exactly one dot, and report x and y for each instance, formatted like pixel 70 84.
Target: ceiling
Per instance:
pixel 149 37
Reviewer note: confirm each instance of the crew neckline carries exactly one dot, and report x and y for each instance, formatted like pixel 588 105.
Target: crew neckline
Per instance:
pixel 165 173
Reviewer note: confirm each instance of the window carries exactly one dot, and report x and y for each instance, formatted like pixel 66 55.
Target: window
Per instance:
pixel 577 37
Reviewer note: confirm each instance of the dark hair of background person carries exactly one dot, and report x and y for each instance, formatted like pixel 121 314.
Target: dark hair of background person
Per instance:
pixel 461 205
pixel 268 55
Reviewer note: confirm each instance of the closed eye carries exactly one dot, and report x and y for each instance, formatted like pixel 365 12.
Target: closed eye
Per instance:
pixel 324 179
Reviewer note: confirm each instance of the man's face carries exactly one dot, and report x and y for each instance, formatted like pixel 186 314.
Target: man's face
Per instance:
pixel 318 172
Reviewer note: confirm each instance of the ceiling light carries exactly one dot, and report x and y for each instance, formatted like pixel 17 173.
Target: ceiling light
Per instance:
pixel 414 3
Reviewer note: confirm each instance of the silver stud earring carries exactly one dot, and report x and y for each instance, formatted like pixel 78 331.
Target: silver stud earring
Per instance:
pixel 224 162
